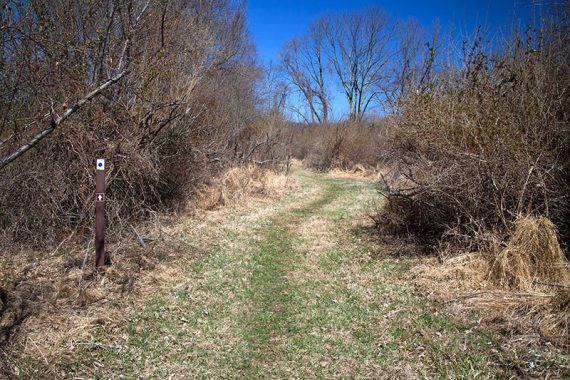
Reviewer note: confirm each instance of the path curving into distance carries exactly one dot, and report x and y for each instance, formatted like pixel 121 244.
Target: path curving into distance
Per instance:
pixel 296 289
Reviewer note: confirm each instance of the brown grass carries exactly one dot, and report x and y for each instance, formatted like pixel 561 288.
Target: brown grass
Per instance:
pixel 532 254
pixel 521 291
pixel 356 172
pixel 57 302
pixel 51 302
pixel 238 184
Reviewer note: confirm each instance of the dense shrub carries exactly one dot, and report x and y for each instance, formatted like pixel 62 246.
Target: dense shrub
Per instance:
pixel 339 145
pixel 186 108
pixel 487 144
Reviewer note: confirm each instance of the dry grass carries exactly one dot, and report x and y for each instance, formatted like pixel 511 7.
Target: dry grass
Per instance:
pixel 532 254
pixel 522 291
pixel 51 303
pixel 357 172
pixel 57 303
pixel 534 324
pixel 238 184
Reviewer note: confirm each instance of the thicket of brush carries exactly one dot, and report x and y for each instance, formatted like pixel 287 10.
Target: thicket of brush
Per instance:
pixel 341 145
pixel 186 108
pixel 480 158
pixel 485 144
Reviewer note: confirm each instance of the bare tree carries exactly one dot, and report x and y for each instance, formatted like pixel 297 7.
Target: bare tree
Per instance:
pixel 169 103
pixel 414 62
pixel 358 48
pixel 273 90
pixel 305 65
pixel 409 36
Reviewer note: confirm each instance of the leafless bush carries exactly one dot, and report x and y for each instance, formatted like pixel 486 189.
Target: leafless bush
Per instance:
pixel 340 145
pixel 486 143
pixel 165 126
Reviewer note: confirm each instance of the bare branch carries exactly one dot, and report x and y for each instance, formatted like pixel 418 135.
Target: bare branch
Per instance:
pixel 57 122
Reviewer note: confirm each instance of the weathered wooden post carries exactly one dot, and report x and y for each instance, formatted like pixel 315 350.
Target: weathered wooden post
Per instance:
pixel 100 214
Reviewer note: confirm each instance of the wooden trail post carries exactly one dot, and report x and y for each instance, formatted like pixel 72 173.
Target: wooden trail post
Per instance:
pixel 100 214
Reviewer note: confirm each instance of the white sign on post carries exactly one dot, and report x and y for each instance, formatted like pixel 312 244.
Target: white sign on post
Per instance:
pixel 100 164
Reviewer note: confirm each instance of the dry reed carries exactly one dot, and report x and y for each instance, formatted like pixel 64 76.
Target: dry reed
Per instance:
pixel 532 254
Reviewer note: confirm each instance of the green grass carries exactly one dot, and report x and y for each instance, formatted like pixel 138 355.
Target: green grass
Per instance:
pixel 298 293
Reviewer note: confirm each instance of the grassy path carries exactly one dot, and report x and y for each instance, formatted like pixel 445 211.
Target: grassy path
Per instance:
pixel 295 289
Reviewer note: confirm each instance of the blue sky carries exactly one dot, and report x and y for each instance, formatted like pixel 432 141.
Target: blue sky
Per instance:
pixel 274 22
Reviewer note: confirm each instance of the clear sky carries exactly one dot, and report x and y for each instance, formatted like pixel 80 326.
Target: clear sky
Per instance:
pixel 274 22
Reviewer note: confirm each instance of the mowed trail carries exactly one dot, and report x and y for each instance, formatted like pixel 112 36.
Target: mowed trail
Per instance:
pixel 295 289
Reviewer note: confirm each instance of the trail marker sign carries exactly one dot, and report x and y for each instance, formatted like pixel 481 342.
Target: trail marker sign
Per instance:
pixel 100 214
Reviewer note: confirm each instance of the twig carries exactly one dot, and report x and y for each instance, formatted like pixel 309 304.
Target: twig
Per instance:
pixel 140 239
pixel 499 293
pixel 63 241
pixel 57 122
pixel 80 103
pixel 264 162
pixel 79 283
pixel 39 350
pixel 551 284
